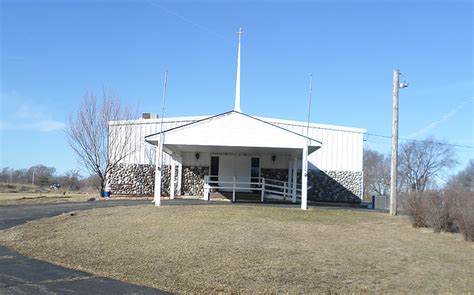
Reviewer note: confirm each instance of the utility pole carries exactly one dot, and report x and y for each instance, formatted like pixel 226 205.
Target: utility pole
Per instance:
pixel 394 159
pixel 33 178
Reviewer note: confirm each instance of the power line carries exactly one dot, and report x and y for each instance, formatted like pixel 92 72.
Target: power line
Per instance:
pixel 186 20
pixel 416 140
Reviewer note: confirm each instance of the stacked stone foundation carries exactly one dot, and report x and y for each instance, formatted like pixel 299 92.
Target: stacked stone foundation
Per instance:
pixel 193 180
pixel 335 186
pixel 325 186
pixel 132 180
pixel 135 180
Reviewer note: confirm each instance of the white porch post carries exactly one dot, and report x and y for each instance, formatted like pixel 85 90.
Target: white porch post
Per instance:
pixel 290 178
pixel 294 182
pixel 172 177
pixel 180 176
pixel 233 189
pixel 157 192
pixel 304 179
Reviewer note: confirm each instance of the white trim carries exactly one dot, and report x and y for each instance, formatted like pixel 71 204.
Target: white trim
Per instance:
pixel 312 125
pixel 158 120
pixel 266 119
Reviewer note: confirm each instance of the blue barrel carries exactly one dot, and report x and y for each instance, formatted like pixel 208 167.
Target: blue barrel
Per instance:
pixel 106 194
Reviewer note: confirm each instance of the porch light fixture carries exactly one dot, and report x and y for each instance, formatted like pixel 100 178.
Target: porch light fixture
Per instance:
pixel 197 155
pixel 273 158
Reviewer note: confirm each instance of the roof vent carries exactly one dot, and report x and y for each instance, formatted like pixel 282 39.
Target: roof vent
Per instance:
pixel 149 116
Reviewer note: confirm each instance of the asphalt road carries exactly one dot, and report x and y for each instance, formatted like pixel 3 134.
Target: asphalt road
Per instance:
pixel 20 274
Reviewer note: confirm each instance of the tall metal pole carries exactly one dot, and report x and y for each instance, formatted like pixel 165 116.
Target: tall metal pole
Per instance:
pixel 394 160
pixel 304 157
pixel 309 102
pixel 159 149
pixel 237 80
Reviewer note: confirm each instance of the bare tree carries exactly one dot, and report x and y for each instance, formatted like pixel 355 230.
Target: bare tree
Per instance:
pixel 70 180
pixel 99 149
pixel 92 182
pixel 376 173
pixel 421 161
pixel 42 174
pixel 6 175
pixel 464 179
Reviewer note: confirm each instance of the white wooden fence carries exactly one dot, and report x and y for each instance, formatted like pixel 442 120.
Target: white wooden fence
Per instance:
pixel 268 188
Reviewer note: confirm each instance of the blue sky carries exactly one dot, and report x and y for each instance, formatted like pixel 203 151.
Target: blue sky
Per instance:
pixel 53 51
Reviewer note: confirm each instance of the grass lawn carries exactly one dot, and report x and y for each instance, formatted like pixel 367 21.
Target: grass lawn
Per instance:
pixel 244 248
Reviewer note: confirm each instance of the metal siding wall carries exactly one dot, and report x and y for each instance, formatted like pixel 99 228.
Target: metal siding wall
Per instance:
pixel 331 149
pixel 345 149
pixel 360 152
pixel 336 145
pixel 341 149
pixel 139 131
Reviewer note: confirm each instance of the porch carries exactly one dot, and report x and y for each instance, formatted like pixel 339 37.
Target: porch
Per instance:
pixel 238 152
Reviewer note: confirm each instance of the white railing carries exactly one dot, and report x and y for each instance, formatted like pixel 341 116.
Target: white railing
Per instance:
pixel 272 188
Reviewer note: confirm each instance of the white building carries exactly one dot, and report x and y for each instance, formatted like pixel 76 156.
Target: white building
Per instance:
pixel 245 156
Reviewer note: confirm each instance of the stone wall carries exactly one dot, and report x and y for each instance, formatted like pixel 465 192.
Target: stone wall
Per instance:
pixel 327 186
pixel 335 186
pixel 193 180
pixel 278 174
pixel 137 180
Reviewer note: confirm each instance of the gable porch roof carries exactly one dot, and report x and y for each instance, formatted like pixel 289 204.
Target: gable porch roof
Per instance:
pixel 232 132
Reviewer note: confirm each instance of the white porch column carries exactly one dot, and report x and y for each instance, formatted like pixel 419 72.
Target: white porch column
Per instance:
pixel 290 178
pixel 304 179
pixel 180 176
pixel 294 182
pixel 157 192
pixel 172 177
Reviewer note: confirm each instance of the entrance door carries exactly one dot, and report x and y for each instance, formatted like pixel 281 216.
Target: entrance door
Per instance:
pixel 255 172
pixel 240 167
pixel 214 169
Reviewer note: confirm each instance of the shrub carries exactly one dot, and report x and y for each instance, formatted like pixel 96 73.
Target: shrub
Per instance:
pixel 437 214
pixel 462 210
pixel 451 210
pixel 415 207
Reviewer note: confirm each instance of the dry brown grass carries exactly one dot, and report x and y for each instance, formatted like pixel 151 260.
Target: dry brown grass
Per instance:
pixel 49 197
pixel 242 249
pixel 26 193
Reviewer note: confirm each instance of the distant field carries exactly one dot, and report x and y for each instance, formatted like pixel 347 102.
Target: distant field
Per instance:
pixel 22 188
pixel 22 193
pixel 252 249
pixel 52 197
